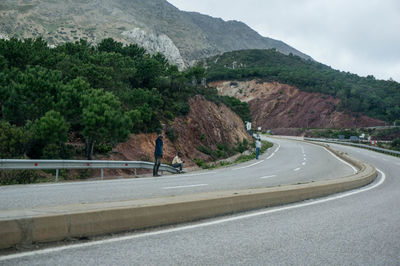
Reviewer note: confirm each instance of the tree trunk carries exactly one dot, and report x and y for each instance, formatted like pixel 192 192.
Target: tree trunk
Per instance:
pixel 89 148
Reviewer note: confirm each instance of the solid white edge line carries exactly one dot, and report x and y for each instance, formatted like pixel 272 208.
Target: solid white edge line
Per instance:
pixel 269 157
pixel 340 159
pixel 187 227
pixel 248 165
pixel 277 149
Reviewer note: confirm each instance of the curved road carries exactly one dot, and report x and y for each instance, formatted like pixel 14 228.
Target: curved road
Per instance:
pixel 361 227
pixel 288 162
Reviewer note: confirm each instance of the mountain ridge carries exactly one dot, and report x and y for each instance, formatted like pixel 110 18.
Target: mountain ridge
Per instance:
pixel 184 37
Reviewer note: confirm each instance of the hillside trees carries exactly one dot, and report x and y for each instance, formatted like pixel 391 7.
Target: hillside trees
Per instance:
pixel 48 135
pixel 103 120
pixel 77 91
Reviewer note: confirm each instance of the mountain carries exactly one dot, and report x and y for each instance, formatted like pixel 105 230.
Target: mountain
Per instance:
pixel 183 37
pixel 378 99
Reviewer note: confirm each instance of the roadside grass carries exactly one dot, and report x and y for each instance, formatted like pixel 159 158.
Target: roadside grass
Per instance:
pixel 243 158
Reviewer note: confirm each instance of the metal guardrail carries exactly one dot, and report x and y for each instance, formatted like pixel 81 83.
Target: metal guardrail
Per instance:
pixel 14 164
pixel 396 153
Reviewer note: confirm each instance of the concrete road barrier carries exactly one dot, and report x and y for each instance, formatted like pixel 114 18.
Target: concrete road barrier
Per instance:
pixel 49 224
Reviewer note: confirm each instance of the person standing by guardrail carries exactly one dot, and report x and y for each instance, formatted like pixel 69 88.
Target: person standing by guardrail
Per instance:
pixel 258 147
pixel 158 153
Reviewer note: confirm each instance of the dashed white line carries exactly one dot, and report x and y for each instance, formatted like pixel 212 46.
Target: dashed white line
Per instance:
pixel 297 169
pixel 268 176
pixel 304 163
pixel 187 186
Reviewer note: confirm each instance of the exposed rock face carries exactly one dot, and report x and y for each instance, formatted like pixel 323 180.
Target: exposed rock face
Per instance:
pixel 207 124
pixel 274 105
pixel 195 36
pixel 156 43
pixel 4 36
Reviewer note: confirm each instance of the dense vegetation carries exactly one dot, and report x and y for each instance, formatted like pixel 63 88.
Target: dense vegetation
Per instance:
pixel 376 98
pixel 96 94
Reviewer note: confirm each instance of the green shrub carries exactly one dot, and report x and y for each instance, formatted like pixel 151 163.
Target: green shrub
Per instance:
pixel 242 145
pixel 12 141
pixel 103 148
pixel 170 132
pixel 11 177
pixel 396 144
pixel 221 154
pixel 207 151
pixel 201 163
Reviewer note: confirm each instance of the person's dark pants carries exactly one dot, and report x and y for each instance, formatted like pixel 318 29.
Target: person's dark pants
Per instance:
pixel 156 165
pixel 257 152
pixel 176 165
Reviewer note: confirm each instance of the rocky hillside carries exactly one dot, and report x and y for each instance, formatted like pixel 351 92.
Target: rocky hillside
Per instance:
pixel 274 105
pixel 155 24
pixel 207 124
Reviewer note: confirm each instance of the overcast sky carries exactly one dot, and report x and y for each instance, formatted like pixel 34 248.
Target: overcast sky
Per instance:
pixel 359 36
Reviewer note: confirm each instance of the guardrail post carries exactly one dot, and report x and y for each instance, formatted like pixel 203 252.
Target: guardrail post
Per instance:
pixel 135 172
pixel 102 173
pixel 57 175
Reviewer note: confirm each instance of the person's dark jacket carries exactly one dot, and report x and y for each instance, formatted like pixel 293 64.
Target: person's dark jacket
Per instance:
pixel 158 152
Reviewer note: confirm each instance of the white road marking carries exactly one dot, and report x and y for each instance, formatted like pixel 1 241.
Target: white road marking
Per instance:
pixel 269 157
pixel 277 149
pixel 304 163
pixel 248 165
pixel 194 226
pixel 187 186
pixel 297 169
pixel 185 175
pixel 334 155
pixel 268 176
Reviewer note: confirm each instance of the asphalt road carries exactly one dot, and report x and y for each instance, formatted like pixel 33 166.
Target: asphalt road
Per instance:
pixel 361 227
pixel 288 162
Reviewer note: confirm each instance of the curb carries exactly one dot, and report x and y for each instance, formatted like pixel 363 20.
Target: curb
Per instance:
pixel 50 224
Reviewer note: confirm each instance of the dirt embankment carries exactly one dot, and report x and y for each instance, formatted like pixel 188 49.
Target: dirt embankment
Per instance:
pixel 206 125
pixel 275 106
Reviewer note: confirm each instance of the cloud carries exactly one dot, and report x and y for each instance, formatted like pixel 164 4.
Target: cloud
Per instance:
pixel 356 36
